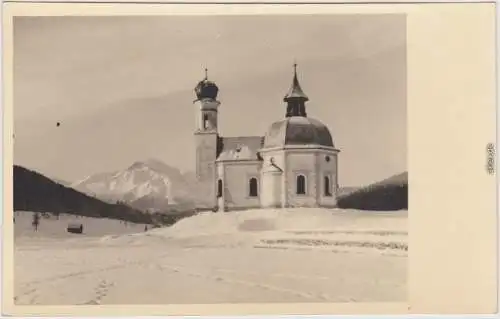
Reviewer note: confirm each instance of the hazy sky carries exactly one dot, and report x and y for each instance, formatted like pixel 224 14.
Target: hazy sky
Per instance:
pixel 122 87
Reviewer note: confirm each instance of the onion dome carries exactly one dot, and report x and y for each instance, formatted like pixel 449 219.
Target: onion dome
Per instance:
pixel 206 89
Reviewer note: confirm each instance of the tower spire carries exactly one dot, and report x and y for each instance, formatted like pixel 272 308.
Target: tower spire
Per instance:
pixel 295 98
pixel 206 74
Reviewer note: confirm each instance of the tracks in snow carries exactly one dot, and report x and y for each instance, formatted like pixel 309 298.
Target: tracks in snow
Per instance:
pixel 32 291
pixel 100 292
pixel 102 284
pixel 246 283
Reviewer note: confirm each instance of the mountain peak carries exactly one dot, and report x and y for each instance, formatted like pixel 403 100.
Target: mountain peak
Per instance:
pixel 153 164
pixel 146 184
pixel 136 165
pixel 150 161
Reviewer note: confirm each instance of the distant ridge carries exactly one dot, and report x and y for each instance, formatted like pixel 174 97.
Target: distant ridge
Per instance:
pixel 388 194
pixel 35 192
pixel 148 185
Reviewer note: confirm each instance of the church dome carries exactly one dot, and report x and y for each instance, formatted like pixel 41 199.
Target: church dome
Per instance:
pixel 206 89
pixel 298 130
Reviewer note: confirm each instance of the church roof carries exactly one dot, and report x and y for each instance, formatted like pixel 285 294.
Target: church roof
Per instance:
pixel 298 130
pixel 240 148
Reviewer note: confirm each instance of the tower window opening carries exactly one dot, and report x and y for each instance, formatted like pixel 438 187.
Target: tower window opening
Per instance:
pixel 205 121
pixel 253 187
pixel 327 186
pixel 219 188
pixel 301 185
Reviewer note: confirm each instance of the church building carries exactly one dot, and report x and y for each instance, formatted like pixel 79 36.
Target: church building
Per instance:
pixel 293 165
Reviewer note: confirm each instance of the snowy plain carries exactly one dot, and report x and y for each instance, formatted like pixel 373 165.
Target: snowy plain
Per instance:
pixel 253 256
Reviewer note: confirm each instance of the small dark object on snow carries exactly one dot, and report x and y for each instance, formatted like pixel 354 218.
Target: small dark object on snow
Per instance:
pixel 36 221
pixel 75 228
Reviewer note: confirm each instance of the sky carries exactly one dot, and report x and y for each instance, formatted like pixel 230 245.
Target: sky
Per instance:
pixel 122 87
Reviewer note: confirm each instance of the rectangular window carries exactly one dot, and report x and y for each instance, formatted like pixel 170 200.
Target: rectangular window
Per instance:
pixel 219 188
pixel 301 185
pixel 205 121
pixel 253 187
pixel 327 181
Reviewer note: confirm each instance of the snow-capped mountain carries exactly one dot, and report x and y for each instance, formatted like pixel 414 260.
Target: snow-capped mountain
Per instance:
pixel 148 185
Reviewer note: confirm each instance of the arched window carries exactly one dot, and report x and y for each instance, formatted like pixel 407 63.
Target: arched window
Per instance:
pixel 253 187
pixel 205 121
pixel 219 188
pixel 327 186
pixel 301 184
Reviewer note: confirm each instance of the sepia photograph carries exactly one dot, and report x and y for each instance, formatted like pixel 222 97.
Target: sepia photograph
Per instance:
pixel 210 159
pixel 239 158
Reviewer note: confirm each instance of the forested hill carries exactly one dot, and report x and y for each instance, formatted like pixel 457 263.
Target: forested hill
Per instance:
pixel 388 194
pixel 37 193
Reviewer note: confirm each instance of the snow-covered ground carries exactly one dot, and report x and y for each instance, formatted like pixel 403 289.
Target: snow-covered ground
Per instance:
pixel 257 256
pixel 53 228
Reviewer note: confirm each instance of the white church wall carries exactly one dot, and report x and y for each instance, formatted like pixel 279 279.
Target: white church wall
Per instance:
pixel 206 146
pixel 301 162
pixel 327 166
pixel 273 164
pixel 220 178
pixel 271 189
pixel 236 184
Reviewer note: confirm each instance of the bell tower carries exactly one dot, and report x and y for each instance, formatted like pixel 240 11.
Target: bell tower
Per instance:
pixel 207 105
pixel 206 138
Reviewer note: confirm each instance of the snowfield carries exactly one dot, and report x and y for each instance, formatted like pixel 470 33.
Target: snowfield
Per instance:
pixel 254 256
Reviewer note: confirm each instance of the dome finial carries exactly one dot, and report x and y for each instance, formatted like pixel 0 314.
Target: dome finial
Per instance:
pixel 206 74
